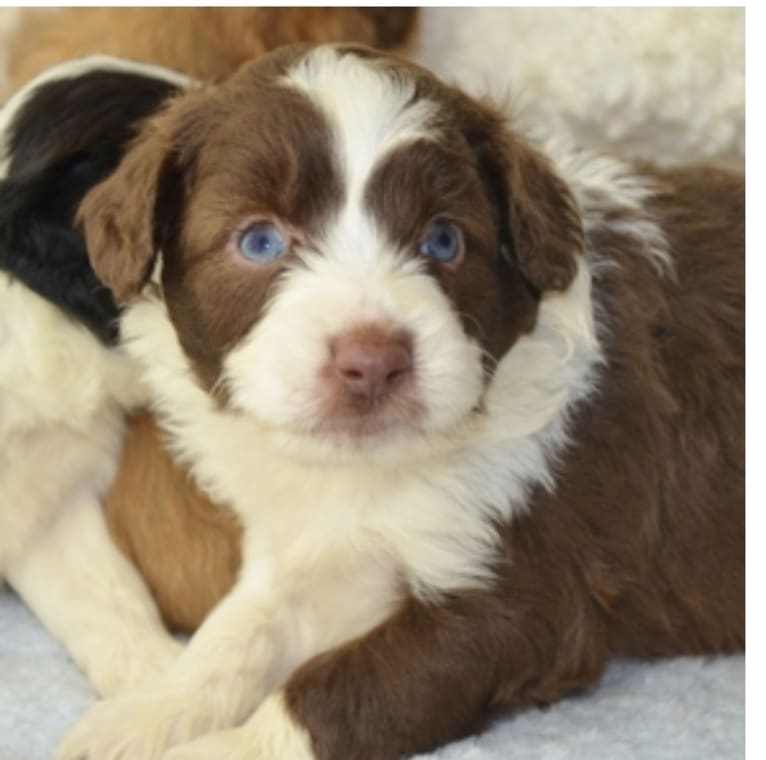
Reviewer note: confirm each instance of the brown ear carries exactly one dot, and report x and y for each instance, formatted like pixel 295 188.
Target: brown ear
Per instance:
pixel 118 215
pixel 546 226
pixel 543 219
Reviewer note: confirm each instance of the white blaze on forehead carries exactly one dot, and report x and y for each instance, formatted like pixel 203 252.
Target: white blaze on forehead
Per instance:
pixel 370 109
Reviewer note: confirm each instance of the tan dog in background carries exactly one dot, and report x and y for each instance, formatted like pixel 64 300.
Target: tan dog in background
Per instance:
pixel 205 42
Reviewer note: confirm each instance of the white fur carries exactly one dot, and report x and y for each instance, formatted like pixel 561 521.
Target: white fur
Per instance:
pixel 332 293
pixel 90 597
pixel 270 733
pixel 59 414
pixel 62 396
pixel 267 626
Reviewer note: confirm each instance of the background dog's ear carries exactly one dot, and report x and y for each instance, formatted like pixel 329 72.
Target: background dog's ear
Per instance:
pixel 119 216
pixel 539 215
pixel 40 247
pixel 50 168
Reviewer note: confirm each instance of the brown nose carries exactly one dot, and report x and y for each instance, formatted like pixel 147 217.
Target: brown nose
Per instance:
pixel 371 366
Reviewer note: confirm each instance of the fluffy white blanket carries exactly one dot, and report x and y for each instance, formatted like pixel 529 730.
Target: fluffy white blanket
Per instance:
pixel 664 84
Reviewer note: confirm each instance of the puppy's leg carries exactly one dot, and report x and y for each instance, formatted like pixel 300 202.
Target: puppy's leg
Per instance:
pixel 266 627
pixel 91 598
pixel 220 678
pixel 427 676
pixel 271 734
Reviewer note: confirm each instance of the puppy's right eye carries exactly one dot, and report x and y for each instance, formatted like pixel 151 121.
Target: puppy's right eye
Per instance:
pixel 444 242
pixel 262 242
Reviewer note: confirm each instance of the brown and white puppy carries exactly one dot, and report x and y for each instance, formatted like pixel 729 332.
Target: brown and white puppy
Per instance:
pixel 479 411
pixel 203 42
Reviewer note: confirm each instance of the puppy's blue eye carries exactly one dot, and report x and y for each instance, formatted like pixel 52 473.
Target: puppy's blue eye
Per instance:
pixel 443 242
pixel 262 242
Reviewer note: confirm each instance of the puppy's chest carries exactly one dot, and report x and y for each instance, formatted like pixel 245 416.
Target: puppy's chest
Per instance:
pixel 310 544
pixel 420 527
pixel 296 511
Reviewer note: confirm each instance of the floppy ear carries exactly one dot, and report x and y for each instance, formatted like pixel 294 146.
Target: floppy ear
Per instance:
pixel 540 215
pixel 119 215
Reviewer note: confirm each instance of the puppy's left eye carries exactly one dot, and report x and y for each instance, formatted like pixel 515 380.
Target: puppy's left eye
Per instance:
pixel 444 242
pixel 262 242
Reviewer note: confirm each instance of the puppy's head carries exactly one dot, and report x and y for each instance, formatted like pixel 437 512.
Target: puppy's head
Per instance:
pixel 348 245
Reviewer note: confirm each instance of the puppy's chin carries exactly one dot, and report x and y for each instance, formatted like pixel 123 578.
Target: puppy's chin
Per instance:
pixel 365 429
pixel 383 440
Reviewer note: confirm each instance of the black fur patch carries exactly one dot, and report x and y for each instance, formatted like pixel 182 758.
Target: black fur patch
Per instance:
pixel 68 136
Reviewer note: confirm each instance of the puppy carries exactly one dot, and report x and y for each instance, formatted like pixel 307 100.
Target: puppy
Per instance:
pixel 203 42
pixel 64 386
pixel 478 409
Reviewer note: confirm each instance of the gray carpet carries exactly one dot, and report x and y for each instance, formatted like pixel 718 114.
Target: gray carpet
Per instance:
pixel 683 709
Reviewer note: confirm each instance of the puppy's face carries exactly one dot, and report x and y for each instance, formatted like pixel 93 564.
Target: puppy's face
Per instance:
pixel 348 246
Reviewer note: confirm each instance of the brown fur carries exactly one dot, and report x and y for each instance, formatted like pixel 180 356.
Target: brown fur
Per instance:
pixel 205 42
pixel 639 549
pixel 186 548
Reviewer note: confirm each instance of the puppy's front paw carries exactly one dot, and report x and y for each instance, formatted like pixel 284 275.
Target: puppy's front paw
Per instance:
pixel 223 745
pixel 137 726
pixel 271 734
pixel 134 664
